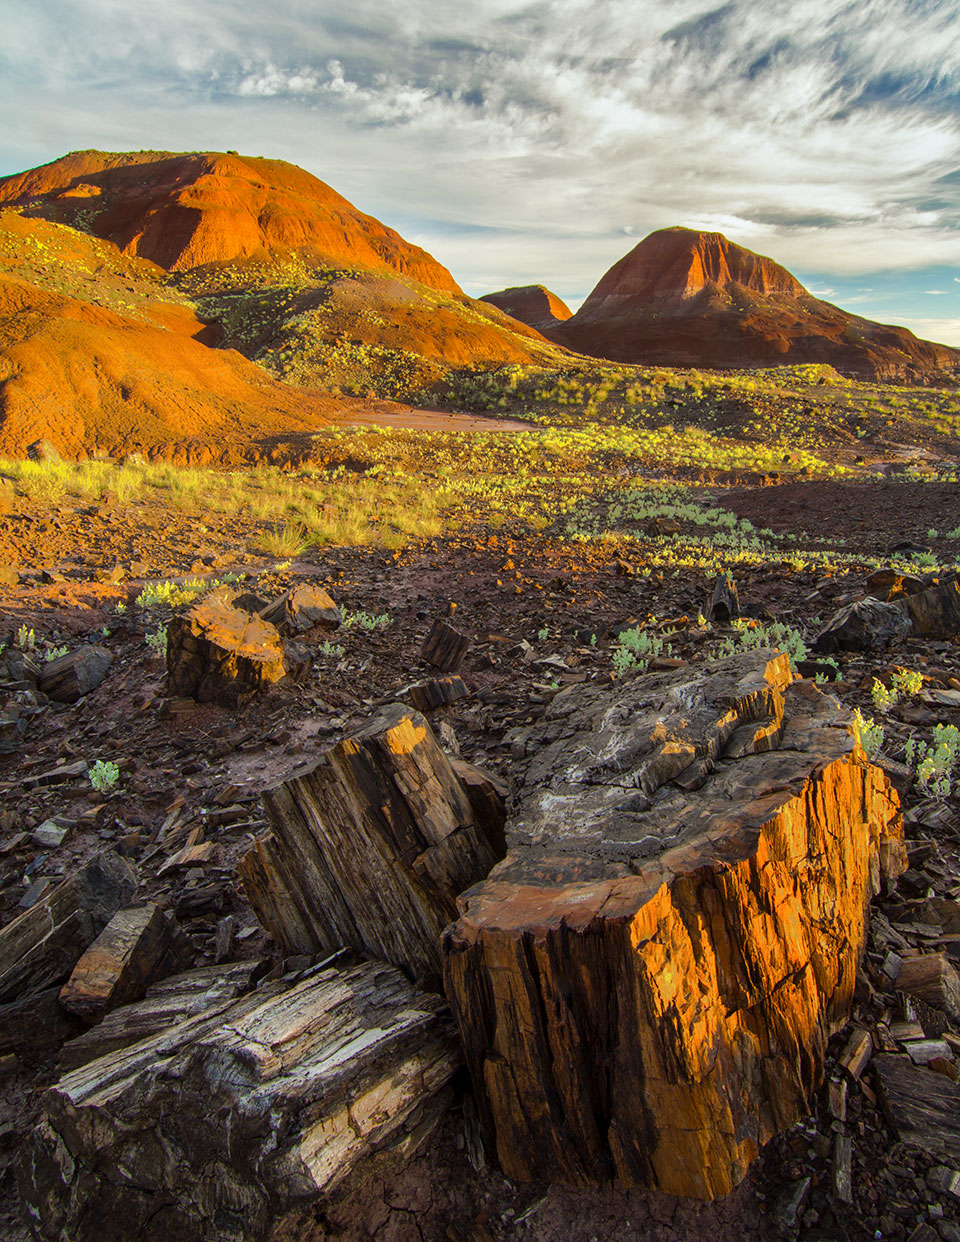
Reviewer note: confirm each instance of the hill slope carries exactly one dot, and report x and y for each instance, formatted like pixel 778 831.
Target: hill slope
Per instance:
pixel 186 210
pixel 533 305
pixel 685 298
pixel 92 356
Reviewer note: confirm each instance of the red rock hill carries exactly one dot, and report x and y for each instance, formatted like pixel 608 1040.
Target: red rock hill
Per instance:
pixel 533 305
pixel 187 210
pixel 684 298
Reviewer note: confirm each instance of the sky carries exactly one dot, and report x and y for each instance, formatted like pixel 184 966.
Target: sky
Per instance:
pixel 538 143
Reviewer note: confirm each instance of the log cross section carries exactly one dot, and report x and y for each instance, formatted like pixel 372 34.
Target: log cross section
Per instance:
pixel 645 986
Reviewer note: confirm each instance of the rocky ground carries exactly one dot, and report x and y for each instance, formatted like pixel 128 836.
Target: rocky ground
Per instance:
pixel 540 614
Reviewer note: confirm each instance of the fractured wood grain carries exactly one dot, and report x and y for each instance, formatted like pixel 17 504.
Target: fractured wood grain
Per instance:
pixel 645 986
pixel 218 1127
pixel 370 846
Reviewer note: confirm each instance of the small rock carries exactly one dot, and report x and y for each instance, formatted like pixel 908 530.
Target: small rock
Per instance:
pixel 50 835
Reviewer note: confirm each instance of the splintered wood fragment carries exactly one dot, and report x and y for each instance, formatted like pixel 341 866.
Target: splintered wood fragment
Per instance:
pixel 69 677
pixel 227 1124
pixel 138 946
pixel 838 1098
pixel 856 1055
pixel 301 608
pixel 445 647
pixel 427 696
pixel 931 978
pixel 842 1174
pixel 41 946
pixel 166 1004
pixel 923 1107
pixel 189 856
pixel 223 945
pixel 370 846
pixel 646 986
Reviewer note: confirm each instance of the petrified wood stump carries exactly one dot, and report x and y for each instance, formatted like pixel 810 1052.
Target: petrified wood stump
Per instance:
pixel 645 986
pixel 216 652
pixel 371 846
pixel 218 1127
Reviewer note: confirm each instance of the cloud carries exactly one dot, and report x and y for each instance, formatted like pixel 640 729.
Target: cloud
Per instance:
pixel 822 133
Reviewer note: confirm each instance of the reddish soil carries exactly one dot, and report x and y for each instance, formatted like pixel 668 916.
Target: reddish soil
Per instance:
pixel 683 298
pixel 502 589
pixel 85 377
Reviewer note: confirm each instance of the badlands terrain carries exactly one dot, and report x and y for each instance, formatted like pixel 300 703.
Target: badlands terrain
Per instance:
pixel 492 579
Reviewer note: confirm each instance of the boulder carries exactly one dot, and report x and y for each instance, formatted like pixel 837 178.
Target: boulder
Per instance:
pixel 216 653
pixel 646 985
pixel 865 625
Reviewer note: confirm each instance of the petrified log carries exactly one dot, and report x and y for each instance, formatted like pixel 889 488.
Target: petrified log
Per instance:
pixel 139 945
pixel 370 847
pixel 645 986
pixel 922 1106
pixel 167 1003
pixel 931 978
pixel 865 625
pixel 215 653
pixel 724 603
pixel 444 647
pixel 301 608
pixel 219 1127
pixel 40 947
pixel 935 613
pixel 427 696
pixel 69 677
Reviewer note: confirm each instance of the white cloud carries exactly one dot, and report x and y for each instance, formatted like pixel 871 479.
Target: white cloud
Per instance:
pixel 528 142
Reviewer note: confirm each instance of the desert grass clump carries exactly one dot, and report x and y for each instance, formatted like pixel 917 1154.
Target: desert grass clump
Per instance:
pixel 284 541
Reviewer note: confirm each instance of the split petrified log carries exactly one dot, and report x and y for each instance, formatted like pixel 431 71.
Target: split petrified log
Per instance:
pixel 139 945
pixel 427 696
pixel 931 978
pixel 921 1105
pixel 935 613
pixel 69 677
pixel 222 1125
pixel 645 987
pixel 444 647
pixel 167 1003
pixel 301 608
pixel 865 625
pixel 216 652
pixel 41 946
pixel 370 847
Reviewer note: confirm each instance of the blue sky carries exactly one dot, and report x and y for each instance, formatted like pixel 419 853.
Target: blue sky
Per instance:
pixel 539 142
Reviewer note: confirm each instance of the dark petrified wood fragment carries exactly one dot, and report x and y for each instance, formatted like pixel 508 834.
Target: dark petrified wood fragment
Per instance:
pixel 222 1125
pixel 69 677
pixel 445 647
pixel 139 945
pixel 216 652
pixel 370 847
pixel 645 986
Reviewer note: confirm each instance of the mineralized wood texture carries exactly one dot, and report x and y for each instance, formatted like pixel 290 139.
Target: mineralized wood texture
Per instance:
pixel 645 986
pixel 71 676
pixel 215 1129
pixel 166 1003
pixel 216 652
pixel 444 647
pixel 370 847
pixel 40 947
pixel 935 613
pixel 921 1105
pixel 139 945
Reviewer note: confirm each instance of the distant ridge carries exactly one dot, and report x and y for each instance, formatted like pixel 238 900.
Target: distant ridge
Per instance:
pixel 688 298
pixel 533 305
